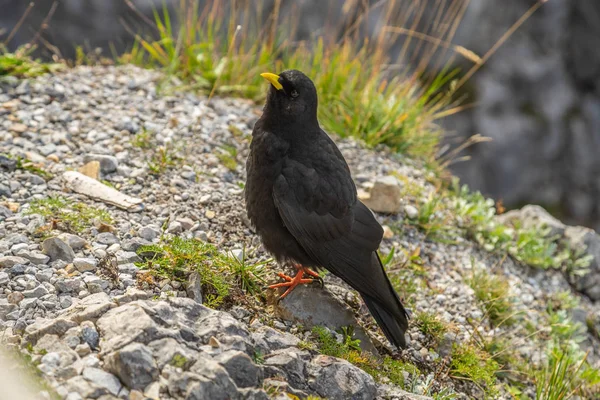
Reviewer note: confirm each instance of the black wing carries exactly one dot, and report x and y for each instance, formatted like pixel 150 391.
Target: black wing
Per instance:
pixel 316 199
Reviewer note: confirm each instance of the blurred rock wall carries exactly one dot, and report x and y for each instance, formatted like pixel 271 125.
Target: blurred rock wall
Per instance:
pixel 538 97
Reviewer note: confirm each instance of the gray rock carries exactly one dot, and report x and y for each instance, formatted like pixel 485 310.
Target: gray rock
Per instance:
pixel 90 335
pixel 85 264
pixel 11 261
pixel 39 291
pixel 206 380
pixel 131 294
pixel 108 164
pixel 174 227
pixel 85 388
pixel 312 306
pixel 133 244
pixel 95 284
pixel 17 269
pixel 56 249
pixel 532 216
pixel 149 233
pixel 4 278
pixel 63 364
pixel 125 324
pixel 106 238
pixel 587 240
pixel 127 257
pixel 169 352
pixel 43 327
pixel 17 238
pixel 35 258
pixel 335 379
pixel 5 192
pixel 240 368
pixel 134 365
pixel 411 211
pixel 292 362
pixel 51 344
pixel 6 308
pixel 91 308
pixel 26 304
pixel 269 339
pixel 384 195
pixel 393 392
pixel 44 275
pixel 186 223
pixel 194 287
pixel 69 285
pixel 74 241
pixel 102 379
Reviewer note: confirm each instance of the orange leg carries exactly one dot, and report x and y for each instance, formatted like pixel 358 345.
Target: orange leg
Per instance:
pixel 299 279
pixel 308 271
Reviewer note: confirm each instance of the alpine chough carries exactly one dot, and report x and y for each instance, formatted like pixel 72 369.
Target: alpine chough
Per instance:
pixel 303 203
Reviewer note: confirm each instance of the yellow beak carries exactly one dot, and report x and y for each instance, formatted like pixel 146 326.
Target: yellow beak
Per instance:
pixel 273 79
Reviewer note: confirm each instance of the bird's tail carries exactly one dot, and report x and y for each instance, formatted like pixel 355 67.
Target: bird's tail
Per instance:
pixel 391 316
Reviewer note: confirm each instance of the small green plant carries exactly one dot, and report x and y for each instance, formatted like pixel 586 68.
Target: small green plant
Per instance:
pixel 227 156
pixel 405 272
pixel 176 258
pixel 143 140
pixel 21 65
pixel 563 329
pixel 222 276
pixel 259 357
pixel 565 375
pixel 531 245
pixel 163 158
pixel 29 166
pixel 435 220
pixel 493 293
pixel 475 365
pixel 249 275
pixel 431 325
pixel 67 215
pixel 389 369
pixel 179 361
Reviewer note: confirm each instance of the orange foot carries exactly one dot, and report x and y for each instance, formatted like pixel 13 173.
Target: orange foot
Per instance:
pixel 299 279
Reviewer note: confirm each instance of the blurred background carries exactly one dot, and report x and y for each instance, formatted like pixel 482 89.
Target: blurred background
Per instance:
pixel 537 97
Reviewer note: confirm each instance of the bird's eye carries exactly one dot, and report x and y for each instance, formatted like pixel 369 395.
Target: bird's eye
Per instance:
pixel 294 93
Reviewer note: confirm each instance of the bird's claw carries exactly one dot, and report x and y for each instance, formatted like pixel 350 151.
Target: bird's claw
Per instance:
pixel 291 282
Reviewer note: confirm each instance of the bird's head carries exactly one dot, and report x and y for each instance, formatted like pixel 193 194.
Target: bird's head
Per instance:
pixel 292 96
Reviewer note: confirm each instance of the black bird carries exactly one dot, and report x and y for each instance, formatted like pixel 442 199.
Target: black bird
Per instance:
pixel 302 201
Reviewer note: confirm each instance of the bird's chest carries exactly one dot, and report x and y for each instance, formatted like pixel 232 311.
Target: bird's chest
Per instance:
pixel 263 167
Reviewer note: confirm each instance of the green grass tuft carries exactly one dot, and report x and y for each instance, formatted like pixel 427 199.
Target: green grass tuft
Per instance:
pixel 29 166
pixel 363 93
pixel 475 365
pixel 162 159
pixel 431 325
pixel 388 370
pixel 179 361
pixel 67 215
pixel 223 277
pixel 250 276
pixel 565 375
pixel 20 64
pixel 493 293
pixel 227 156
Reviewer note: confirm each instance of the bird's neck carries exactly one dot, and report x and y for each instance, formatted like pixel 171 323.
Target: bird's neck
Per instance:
pixel 284 124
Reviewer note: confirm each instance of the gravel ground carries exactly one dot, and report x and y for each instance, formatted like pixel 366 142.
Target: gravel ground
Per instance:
pixel 93 335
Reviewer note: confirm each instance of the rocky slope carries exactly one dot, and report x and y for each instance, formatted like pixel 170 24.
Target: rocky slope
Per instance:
pixel 538 97
pixel 100 314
